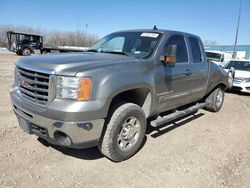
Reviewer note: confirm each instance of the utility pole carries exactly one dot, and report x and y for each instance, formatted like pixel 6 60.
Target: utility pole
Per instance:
pixel 237 31
pixel 78 32
pixel 86 28
pixel 86 33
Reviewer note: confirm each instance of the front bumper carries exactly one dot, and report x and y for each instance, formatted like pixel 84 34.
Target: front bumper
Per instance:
pixel 78 133
pixel 243 87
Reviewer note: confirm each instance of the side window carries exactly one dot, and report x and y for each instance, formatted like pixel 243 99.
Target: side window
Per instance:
pixel 195 49
pixel 178 40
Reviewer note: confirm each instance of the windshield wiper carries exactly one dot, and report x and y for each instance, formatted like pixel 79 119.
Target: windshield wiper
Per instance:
pixel 111 52
pixel 115 52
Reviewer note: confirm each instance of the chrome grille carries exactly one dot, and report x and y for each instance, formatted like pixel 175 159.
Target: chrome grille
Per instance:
pixel 34 85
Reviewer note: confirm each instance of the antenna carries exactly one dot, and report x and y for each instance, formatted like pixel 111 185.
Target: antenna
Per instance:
pixel 155 28
pixel 237 31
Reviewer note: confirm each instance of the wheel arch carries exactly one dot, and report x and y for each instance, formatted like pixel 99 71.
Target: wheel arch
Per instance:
pixel 221 85
pixel 142 96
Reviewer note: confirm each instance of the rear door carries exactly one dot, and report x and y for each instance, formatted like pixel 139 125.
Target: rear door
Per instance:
pixel 199 67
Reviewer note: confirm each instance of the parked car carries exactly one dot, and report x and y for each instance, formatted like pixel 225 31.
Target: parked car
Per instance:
pixel 105 96
pixel 218 57
pixel 241 76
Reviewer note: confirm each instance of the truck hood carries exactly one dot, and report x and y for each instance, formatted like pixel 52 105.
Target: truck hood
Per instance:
pixel 72 63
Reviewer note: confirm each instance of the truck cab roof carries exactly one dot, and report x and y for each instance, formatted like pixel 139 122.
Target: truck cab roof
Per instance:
pixel 162 31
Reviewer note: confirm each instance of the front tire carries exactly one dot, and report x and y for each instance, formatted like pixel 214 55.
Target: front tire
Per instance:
pixel 124 133
pixel 215 100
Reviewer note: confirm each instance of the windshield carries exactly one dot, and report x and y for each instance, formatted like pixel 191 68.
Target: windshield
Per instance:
pixel 137 44
pixel 213 56
pixel 238 65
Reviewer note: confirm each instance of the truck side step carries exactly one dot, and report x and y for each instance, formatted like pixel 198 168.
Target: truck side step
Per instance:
pixel 170 117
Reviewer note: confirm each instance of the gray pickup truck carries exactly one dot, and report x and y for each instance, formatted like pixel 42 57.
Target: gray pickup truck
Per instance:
pixel 107 96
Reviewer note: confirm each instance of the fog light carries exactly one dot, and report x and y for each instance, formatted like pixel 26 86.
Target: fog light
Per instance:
pixel 62 139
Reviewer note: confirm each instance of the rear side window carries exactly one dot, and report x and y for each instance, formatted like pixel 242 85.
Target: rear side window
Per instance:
pixel 195 49
pixel 178 40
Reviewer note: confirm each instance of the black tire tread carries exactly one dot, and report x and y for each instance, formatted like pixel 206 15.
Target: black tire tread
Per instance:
pixel 107 146
pixel 212 101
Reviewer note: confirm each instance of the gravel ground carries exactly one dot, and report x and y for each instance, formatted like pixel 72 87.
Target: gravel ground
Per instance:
pixel 205 150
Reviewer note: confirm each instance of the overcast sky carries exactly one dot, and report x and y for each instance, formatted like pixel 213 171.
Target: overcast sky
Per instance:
pixel 210 19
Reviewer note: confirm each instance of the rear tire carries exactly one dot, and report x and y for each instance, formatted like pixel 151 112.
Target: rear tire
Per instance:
pixel 215 100
pixel 26 52
pixel 124 133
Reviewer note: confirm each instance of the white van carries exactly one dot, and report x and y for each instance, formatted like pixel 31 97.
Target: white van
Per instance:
pixel 218 57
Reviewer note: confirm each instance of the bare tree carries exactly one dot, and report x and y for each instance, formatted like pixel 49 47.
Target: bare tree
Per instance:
pixel 210 42
pixel 57 38
pixel 52 38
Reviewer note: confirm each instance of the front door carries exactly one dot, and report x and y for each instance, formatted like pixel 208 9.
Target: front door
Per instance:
pixel 174 84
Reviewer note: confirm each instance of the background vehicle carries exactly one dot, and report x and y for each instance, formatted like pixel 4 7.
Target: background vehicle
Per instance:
pixel 105 96
pixel 23 43
pixel 26 44
pixel 218 57
pixel 242 74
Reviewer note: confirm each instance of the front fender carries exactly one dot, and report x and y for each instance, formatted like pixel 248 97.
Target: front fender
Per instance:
pixel 116 84
pixel 109 81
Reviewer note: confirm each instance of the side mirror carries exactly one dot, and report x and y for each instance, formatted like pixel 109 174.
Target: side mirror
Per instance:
pixel 170 56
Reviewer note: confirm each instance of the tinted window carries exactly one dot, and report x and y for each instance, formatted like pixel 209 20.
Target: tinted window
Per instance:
pixel 195 49
pixel 178 40
pixel 238 65
pixel 213 56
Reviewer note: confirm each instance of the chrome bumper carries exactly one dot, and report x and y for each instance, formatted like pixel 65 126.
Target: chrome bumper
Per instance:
pixel 69 134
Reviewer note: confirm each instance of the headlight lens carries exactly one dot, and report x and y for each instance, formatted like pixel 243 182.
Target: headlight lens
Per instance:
pixel 246 80
pixel 74 88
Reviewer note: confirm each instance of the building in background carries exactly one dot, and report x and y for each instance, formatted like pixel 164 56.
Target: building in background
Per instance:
pixel 242 51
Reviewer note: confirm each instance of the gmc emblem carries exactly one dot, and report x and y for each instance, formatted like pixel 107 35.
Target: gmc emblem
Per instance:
pixel 23 82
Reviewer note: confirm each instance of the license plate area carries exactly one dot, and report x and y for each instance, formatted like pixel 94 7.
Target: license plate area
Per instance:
pixel 39 131
pixel 31 128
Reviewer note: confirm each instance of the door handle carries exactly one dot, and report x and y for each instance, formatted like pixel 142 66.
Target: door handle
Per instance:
pixel 188 72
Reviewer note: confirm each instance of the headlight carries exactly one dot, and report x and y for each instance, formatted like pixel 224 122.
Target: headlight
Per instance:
pixel 74 88
pixel 246 80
